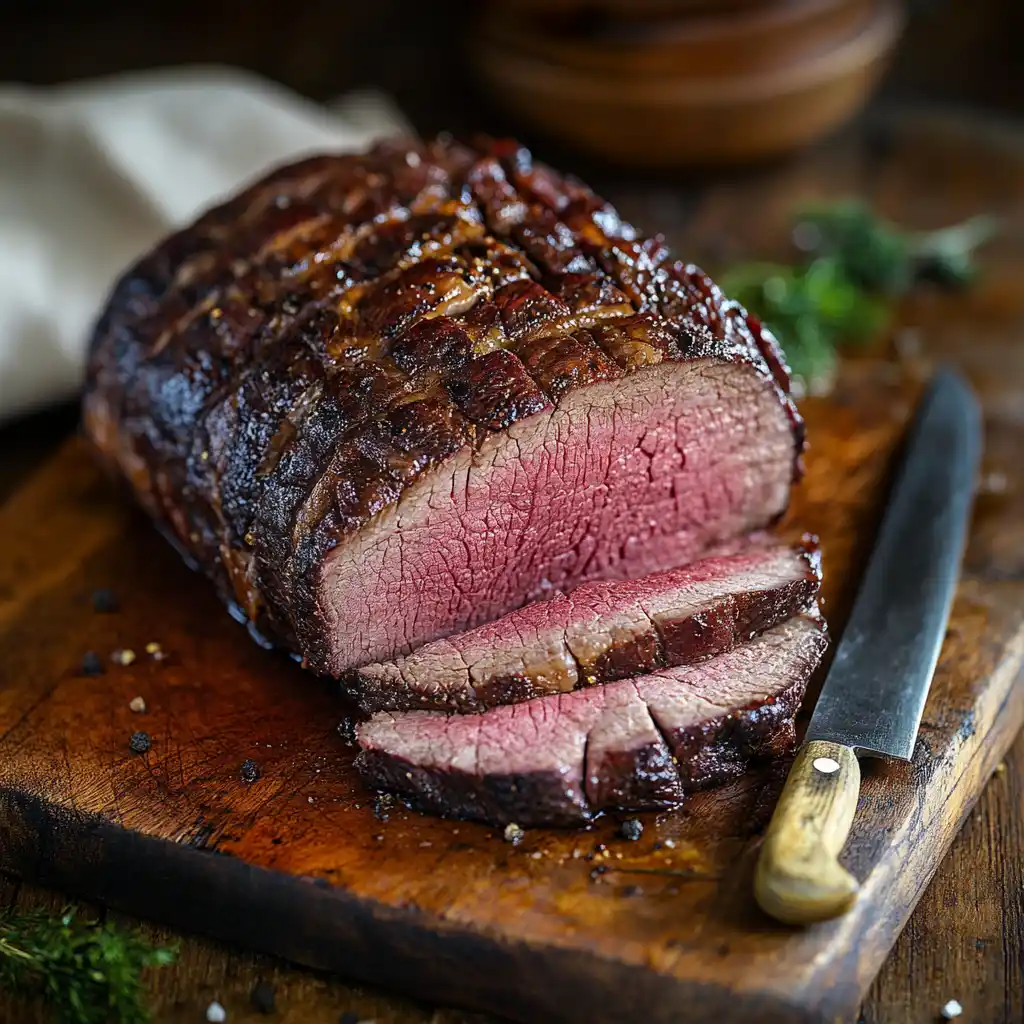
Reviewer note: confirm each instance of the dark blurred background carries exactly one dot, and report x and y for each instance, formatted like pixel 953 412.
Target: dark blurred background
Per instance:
pixel 961 51
pixel 949 53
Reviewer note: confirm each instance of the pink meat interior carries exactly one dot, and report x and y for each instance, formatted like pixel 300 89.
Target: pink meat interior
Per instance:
pixel 576 737
pixel 622 479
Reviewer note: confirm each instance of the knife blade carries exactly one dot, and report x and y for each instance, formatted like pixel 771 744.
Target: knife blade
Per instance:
pixel 874 695
pixel 876 688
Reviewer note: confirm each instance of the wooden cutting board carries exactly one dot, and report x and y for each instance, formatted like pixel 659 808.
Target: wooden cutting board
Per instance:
pixel 567 926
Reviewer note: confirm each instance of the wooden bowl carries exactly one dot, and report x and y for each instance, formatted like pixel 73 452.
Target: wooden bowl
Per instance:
pixel 622 10
pixel 676 120
pixel 755 38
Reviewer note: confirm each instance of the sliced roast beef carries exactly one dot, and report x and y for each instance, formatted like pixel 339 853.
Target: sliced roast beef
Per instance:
pixel 383 398
pixel 599 633
pixel 630 745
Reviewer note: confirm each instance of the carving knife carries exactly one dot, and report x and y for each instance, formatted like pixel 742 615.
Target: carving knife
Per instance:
pixel 874 694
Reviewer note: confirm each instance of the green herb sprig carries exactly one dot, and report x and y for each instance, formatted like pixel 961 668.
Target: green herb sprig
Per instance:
pixel 855 264
pixel 87 972
pixel 812 310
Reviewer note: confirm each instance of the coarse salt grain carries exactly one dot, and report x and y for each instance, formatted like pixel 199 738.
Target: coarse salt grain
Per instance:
pixel 215 1013
pixel 513 833
pixel 138 705
pixel 952 1009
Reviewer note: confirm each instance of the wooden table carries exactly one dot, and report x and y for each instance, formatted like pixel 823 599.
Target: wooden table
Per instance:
pixel 966 939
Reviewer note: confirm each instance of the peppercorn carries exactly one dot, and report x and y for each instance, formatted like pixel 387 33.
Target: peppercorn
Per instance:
pixel 631 829
pixel 139 743
pixel 105 601
pixel 262 997
pixel 250 770
pixel 92 665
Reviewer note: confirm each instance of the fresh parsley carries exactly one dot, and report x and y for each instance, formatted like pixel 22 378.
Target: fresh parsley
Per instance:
pixel 87 972
pixel 855 264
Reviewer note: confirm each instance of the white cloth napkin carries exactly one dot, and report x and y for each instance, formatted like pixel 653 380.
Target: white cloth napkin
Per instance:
pixel 91 175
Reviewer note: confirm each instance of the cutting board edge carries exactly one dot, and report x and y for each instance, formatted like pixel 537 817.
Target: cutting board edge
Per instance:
pixel 430 958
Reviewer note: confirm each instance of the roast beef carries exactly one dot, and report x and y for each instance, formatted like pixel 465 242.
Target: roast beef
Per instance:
pixel 636 744
pixel 599 633
pixel 387 397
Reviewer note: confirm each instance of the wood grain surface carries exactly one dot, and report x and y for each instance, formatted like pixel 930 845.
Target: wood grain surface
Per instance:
pixel 60 549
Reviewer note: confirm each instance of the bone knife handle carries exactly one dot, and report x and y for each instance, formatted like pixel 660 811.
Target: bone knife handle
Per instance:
pixel 799 879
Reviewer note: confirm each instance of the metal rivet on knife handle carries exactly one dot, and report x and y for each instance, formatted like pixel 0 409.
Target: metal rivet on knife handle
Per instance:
pixel 799 879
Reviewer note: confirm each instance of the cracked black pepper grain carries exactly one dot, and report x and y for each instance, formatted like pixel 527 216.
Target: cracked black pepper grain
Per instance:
pixel 92 665
pixel 632 890
pixel 631 829
pixel 382 806
pixel 262 997
pixel 105 601
pixel 139 743
pixel 347 731
pixel 250 770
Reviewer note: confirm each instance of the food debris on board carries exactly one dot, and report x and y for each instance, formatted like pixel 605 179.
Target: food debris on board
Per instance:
pixel 123 656
pixel 138 705
pixel 383 804
pixel 250 770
